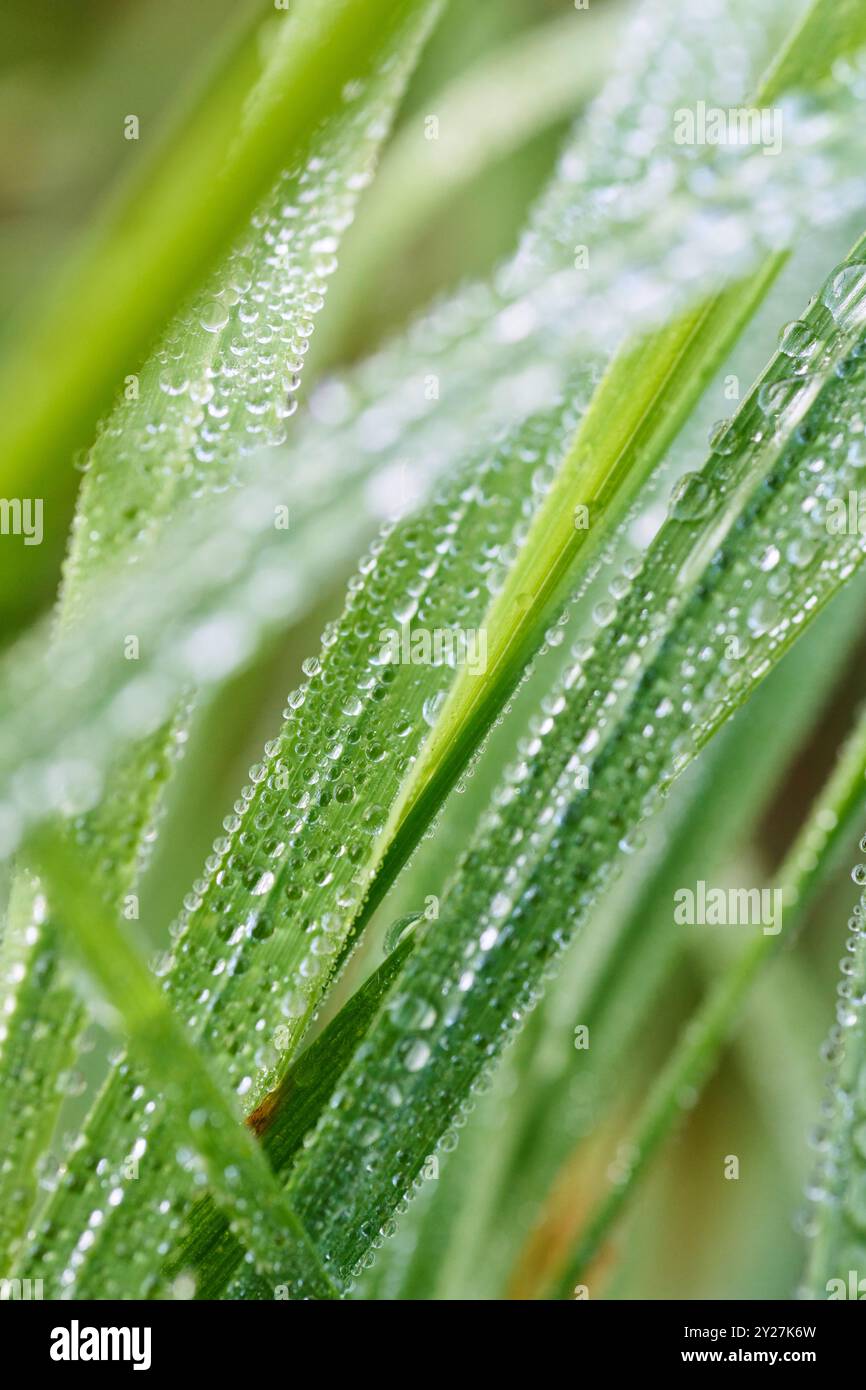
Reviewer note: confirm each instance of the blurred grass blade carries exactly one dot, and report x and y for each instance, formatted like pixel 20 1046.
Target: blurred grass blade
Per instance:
pixel 829 32
pixel 224 579
pixel 500 104
pixel 153 249
pixel 689 1067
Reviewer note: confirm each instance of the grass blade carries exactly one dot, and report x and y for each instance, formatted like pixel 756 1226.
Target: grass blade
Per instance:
pixel 562 1094
pixel 837 1185
pixel 501 103
pixel 236 1170
pixel 282 1122
pixel 689 1067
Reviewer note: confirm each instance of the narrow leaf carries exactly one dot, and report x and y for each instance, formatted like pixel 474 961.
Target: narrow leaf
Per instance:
pixel 689 1067
pixel 236 1170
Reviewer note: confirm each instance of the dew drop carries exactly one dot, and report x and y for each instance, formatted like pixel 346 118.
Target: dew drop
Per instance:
pixel 213 316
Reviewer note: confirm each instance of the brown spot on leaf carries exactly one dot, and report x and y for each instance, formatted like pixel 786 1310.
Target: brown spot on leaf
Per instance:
pixel 259 1120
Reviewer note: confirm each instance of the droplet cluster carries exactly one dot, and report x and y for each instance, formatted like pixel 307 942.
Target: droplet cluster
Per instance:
pixel 224 382
pixel 836 1216
pixel 657 218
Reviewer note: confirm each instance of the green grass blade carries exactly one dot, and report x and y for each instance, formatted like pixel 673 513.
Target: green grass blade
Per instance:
pixel 237 1172
pixel 43 1016
pixel 829 31
pixel 38 1047
pixel 222 384
pixel 838 1183
pixel 612 991
pixel 207 1253
pixel 635 413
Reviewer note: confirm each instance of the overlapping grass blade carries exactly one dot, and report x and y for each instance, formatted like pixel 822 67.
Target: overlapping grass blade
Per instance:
pixel 234 1166
pixel 220 387
pixel 283 1120
pixel 503 922
pixel 556 1094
